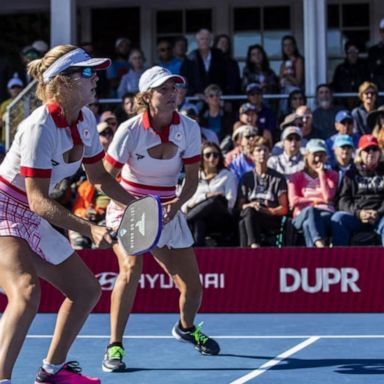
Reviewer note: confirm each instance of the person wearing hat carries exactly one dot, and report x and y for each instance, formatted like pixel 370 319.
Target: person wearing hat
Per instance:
pixel 343 126
pixel 376 60
pixel 50 145
pixel 311 193
pixel 361 200
pixel 291 160
pixel 14 86
pixel 368 96
pixel 149 151
pixel 375 122
pixel 110 118
pixel 266 118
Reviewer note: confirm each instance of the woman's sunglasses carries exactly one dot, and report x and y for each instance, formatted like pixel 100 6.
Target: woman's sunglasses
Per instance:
pixel 207 155
pixel 86 72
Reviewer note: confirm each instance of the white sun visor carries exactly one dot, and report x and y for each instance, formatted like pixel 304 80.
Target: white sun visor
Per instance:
pixel 75 58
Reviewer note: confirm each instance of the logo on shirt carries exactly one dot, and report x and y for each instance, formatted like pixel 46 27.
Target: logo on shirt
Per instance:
pixel 178 136
pixel 138 156
pixel 54 162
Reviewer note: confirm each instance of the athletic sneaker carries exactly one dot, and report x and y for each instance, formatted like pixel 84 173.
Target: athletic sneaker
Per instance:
pixel 68 374
pixel 203 343
pixel 113 360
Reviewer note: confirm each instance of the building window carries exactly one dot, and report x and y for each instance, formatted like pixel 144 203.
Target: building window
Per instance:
pixel 172 23
pixel 260 25
pixel 346 22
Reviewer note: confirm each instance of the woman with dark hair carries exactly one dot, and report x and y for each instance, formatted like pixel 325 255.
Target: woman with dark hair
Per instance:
pixel 224 44
pixel 210 208
pixel 258 70
pixel 292 67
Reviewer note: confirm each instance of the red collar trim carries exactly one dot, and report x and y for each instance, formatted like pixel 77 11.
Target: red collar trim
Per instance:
pixel 58 117
pixel 164 134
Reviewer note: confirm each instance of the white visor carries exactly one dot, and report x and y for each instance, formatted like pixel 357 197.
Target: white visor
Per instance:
pixel 76 58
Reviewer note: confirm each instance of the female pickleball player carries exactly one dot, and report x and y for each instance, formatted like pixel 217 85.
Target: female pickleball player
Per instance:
pixel 150 150
pixel 50 145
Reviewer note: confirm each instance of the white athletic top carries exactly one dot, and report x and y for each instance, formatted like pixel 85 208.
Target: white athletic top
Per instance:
pixel 39 145
pixel 142 174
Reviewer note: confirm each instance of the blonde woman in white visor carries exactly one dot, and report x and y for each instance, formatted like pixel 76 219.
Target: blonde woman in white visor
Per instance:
pixel 150 150
pixel 50 145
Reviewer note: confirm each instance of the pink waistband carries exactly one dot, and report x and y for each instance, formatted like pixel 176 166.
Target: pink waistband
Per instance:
pixel 13 192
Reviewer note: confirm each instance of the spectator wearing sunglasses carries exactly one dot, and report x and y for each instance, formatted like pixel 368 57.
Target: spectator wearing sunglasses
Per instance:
pixel 50 145
pixel 210 209
pixel 368 98
pixel 291 160
pixel 165 57
pixel 262 199
pixel 361 200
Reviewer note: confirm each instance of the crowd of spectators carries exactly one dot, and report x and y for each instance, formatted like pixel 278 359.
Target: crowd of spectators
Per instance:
pixel 271 169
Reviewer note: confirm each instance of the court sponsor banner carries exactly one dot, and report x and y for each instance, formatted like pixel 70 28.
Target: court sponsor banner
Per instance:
pixel 252 280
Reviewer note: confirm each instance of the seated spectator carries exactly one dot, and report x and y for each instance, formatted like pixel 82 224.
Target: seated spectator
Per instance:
pixel 325 112
pixel 180 47
pixel 302 118
pixel 166 58
pixel 125 110
pixel 361 200
pixel 258 70
pixel 296 99
pixel 224 44
pixel 291 69
pixel 291 160
pixel 343 148
pixel 368 97
pixel 215 117
pixel 262 199
pixel 266 118
pixel 343 126
pixel 243 162
pixel 350 74
pixel 130 81
pixel 375 123
pixel 110 118
pixel 120 64
pixel 210 208
pixel 207 135
pixel 236 138
pixel 311 193
pixel 90 203
pixel 248 115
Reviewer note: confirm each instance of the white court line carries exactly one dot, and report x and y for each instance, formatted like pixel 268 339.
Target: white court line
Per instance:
pixel 271 363
pixel 225 337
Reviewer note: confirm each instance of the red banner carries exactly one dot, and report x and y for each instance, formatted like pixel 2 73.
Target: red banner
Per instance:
pixel 253 280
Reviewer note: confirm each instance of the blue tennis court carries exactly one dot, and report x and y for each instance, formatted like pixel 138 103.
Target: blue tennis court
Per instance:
pixel 255 348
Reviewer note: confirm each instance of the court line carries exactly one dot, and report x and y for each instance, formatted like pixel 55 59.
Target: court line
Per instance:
pixel 271 363
pixel 37 336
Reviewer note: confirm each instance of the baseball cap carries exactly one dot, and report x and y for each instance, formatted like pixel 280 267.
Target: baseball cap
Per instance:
pixel 107 115
pixel 102 126
pixel 155 76
pixel 381 25
pixel 244 130
pixel 316 145
pixel 246 107
pixel 253 87
pixel 291 131
pixel 15 82
pixel 368 141
pixel 343 115
pixel 341 140
pixel 75 58
pixel 40 45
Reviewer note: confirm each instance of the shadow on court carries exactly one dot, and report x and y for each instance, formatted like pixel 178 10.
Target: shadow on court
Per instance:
pixel 346 366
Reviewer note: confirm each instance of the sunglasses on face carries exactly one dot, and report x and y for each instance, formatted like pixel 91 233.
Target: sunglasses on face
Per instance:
pixel 370 93
pixel 86 72
pixel 207 155
pixel 250 137
pixel 371 149
pixel 293 138
pixel 106 132
pixel 212 95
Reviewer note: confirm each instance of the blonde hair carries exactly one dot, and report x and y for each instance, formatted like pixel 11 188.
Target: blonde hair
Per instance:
pixel 140 104
pixel 365 86
pixel 212 88
pixel 53 89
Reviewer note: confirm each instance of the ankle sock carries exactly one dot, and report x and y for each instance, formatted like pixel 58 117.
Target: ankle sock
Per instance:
pixel 190 329
pixel 51 368
pixel 116 344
